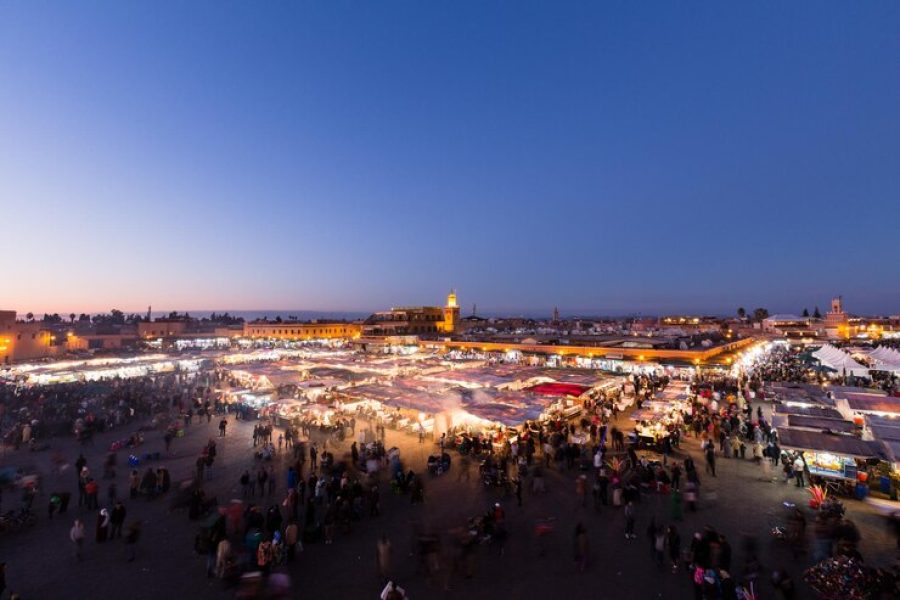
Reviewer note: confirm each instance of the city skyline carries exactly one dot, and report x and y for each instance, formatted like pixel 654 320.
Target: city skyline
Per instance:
pixel 466 309
pixel 606 159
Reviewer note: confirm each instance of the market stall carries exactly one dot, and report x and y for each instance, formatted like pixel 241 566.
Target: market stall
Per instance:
pixel 559 389
pixel 793 408
pixel 812 423
pixel 839 459
pixel 101 369
pixel 840 361
pixel 857 406
pixel 653 421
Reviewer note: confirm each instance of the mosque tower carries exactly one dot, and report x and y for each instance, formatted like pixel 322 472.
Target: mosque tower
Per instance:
pixel 836 319
pixel 451 313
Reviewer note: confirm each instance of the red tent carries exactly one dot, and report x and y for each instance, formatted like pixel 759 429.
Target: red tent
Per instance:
pixel 559 389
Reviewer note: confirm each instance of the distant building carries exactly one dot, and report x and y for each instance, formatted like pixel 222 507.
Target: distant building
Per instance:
pixel 415 320
pixel 302 330
pixel 99 341
pixel 472 322
pixel 20 340
pixel 163 328
pixel 184 327
pixel 685 324
pixel 779 323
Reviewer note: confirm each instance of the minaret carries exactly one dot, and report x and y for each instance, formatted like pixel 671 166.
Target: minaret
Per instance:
pixel 556 314
pixel 474 309
pixel 451 313
pixel 836 319
pixel 149 310
pixel 837 305
pixel 451 299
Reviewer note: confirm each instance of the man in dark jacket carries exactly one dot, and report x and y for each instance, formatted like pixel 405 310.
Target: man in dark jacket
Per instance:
pixel 117 519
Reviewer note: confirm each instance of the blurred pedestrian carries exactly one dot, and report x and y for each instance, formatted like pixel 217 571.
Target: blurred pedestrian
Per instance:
pixel 581 547
pixel 383 557
pixel 629 521
pixel 131 540
pixel 76 534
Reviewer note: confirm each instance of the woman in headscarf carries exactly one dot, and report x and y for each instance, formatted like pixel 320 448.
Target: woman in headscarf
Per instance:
pixel 103 526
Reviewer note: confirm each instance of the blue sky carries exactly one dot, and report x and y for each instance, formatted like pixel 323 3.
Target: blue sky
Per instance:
pixel 603 157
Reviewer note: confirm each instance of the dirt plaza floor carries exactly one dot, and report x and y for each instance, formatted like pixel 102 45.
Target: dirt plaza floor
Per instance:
pixel 743 500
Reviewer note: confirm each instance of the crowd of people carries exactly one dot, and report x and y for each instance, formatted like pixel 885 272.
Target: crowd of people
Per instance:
pixel 312 483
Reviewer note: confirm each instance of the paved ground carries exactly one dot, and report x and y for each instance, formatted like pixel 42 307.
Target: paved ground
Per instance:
pixel 41 563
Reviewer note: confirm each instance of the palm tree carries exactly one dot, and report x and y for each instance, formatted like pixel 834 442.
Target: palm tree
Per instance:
pixel 72 317
pixel 30 317
pixel 741 312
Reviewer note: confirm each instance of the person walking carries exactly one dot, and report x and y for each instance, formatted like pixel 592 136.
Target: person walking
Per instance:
pixel 383 557
pixel 464 464
pixel 673 544
pixel 245 484
pixel 291 539
pixel 103 522
pixel 711 459
pixel 629 521
pixel 603 487
pixel 659 546
pixel 223 424
pixel 131 540
pixel 798 470
pixel 223 556
pixel 261 477
pixel 76 534
pixel 581 489
pixel 91 489
pixel 134 483
pixel 676 505
pixel 117 519
pixel 690 495
pixel 676 477
pixel 581 547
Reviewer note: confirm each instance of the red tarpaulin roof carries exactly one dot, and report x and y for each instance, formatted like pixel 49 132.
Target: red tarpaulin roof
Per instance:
pixel 559 389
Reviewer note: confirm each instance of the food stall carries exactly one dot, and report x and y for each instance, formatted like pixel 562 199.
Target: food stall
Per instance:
pixel 285 411
pixel 840 460
pixel 886 478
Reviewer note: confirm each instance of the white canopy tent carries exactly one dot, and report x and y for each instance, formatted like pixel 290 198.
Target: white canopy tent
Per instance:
pixel 840 361
pixel 886 359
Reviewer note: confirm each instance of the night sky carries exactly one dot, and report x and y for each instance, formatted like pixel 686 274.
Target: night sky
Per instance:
pixel 605 157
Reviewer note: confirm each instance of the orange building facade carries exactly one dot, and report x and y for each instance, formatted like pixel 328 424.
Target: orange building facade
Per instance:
pixel 302 331
pixel 24 341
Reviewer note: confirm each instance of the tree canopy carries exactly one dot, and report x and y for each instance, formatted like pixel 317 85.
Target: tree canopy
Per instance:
pixel 760 313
